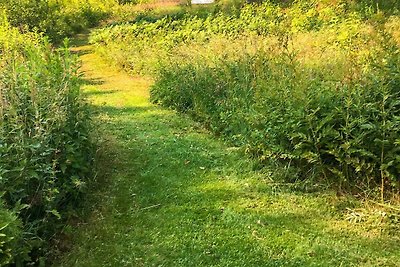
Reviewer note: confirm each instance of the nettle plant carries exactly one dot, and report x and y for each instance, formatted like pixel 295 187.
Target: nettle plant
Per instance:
pixel 336 122
pixel 45 146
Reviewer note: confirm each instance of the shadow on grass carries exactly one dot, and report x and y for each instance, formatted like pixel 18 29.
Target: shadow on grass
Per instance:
pixel 98 93
pixel 168 194
pixel 178 196
pixel 124 111
pixel 81 52
pixel 80 39
pixel 93 81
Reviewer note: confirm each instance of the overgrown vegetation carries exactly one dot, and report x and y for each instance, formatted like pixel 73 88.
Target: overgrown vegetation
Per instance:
pixel 11 240
pixel 312 86
pixel 57 19
pixel 176 196
pixel 45 147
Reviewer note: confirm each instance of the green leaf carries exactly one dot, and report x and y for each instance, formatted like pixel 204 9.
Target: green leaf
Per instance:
pixel 55 213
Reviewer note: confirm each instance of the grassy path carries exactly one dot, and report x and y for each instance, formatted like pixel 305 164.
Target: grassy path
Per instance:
pixel 175 196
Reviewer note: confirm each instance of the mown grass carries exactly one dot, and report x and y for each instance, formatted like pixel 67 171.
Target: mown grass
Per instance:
pixel 310 85
pixel 170 194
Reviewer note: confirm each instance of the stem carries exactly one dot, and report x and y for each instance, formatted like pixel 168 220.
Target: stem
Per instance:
pixel 383 150
pixel 382 179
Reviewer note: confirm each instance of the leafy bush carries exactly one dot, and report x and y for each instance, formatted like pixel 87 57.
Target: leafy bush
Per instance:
pixel 57 19
pixel 344 130
pixel 10 237
pixel 314 85
pixel 45 147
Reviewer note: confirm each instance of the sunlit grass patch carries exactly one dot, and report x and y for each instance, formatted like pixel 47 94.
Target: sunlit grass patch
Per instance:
pixel 176 196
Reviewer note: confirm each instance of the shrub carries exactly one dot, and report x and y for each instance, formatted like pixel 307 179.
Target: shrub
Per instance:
pixel 45 147
pixel 11 239
pixel 57 19
pixel 137 46
pixel 278 107
pixel 313 85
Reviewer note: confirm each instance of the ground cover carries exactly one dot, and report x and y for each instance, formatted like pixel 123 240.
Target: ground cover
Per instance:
pixel 171 194
pixel 312 86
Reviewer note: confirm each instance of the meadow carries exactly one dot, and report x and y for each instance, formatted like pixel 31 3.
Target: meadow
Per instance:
pixel 312 87
pixel 272 137
pixel 169 193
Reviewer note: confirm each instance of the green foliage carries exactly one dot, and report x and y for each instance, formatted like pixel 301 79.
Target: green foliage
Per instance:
pixel 56 18
pixel 155 38
pixel 313 85
pixel 173 195
pixel 11 239
pixel 277 107
pixel 45 147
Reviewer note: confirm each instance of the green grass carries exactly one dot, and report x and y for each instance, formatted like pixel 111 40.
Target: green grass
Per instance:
pixel 309 85
pixel 170 194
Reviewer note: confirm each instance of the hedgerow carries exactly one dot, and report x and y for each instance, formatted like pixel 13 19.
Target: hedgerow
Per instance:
pixel 45 147
pixel 57 19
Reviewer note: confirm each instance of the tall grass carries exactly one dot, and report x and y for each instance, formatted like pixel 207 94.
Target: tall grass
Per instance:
pixel 45 146
pixel 57 19
pixel 313 86
pixel 342 130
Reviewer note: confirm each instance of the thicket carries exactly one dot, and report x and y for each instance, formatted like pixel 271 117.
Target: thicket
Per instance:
pixel 57 19
pixel 45 147
pixel 312 86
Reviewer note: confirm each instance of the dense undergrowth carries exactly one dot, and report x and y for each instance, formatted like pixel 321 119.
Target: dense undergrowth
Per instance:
pixel 56 18
pixel 313 86
pixel 46 151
